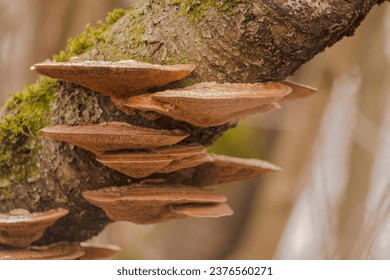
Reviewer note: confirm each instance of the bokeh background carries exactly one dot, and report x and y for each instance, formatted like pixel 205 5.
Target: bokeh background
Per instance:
pixel 332 199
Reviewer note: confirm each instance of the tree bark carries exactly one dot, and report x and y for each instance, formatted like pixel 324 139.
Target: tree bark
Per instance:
pixel 252 41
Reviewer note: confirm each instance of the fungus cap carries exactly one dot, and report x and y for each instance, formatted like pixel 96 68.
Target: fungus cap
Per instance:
pixel 164 160
pixel 115 79
pixel 113 136
pixel 212 104
pixel 145 204
pixel 222 169
pixel 20 228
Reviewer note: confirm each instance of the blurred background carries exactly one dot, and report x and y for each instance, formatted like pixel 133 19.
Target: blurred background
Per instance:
pixel 332 199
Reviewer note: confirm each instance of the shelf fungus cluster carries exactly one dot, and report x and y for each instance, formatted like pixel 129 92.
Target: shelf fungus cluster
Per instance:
pixel 168 171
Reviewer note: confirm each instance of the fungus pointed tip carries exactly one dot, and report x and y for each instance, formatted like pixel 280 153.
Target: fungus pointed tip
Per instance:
pixel 298 91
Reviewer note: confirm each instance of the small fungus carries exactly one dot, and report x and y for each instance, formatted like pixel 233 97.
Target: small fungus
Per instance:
pixel 98 251
pixel 113 136
pixel 146 204
pixel 120 79
pixel 164 160
pixel 58 251
pixel 19 228
pixel 212 104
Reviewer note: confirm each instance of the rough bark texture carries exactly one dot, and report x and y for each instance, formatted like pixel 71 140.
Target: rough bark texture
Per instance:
pixel 252 41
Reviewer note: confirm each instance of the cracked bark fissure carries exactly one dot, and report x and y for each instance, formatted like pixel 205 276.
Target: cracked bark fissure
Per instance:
pixel 255 41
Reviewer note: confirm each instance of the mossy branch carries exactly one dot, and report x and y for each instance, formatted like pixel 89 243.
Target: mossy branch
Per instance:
pixel 23 115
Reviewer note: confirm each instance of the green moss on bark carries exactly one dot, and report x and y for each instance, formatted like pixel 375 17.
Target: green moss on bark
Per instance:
pixel 129 43
pixel 23 115
pixel 195 9
pixel 98 38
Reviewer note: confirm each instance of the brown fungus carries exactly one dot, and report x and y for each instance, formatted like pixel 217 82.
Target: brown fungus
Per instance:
pixel 186 163
pixel 113 136
pixel 135 164
pixel 146 204
pixel 222 169
pixel 58 251
pixel 98 251
pixel 298 91
pixel 163 160
pixel 202 105
pixel 207 210
pixel 119 80
pixel 212 104
pixel 181 151
pixel 20 228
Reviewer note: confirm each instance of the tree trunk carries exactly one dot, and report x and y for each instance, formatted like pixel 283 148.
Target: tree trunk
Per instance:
pixel 235 41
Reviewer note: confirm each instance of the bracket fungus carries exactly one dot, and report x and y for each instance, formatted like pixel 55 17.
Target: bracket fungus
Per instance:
pixel 179 169
pixel 146 204
pixel 203 105
pixel 58 251
pixel 113 136
pixel 20 228
pixel 224 169
pixel 119 79
pixel 164 160
pixel 220 170
pixel 212 104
